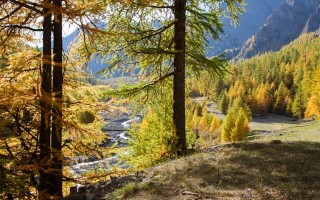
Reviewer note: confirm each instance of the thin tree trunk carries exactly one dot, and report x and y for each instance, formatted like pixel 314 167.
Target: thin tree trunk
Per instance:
pixel 45 104
pixel 56 176
pixel 179 75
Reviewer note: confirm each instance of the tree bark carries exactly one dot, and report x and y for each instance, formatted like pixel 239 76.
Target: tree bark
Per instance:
pixel 179 75
pixel 56 177
pixel 45 105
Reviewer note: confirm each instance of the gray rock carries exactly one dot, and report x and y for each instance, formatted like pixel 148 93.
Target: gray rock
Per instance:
pixel 255 15
pixel 285 24
pixel 313 23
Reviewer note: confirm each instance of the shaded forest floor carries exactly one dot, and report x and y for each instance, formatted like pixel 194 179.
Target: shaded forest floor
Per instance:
pixel 283 164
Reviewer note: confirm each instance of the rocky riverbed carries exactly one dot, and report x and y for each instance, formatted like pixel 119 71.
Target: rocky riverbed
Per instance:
pixel 116 129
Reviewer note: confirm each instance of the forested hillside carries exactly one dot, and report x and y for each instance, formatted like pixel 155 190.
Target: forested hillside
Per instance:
pixel 285 82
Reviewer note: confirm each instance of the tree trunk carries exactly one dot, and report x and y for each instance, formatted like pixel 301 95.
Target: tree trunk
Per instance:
pixel 45 105
pixel 179 75
pixel 56 177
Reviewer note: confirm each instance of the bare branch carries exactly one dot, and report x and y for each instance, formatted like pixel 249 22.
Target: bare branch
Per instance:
pixel 15 26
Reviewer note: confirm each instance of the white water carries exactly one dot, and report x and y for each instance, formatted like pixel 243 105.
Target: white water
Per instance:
pixel 127 124
pixel 99 164
pixel 106 163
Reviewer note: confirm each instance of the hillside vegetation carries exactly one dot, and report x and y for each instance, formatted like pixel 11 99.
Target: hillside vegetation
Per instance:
pixel 284 82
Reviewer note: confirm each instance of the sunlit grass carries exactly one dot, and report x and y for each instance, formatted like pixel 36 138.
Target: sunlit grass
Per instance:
pixel 307 131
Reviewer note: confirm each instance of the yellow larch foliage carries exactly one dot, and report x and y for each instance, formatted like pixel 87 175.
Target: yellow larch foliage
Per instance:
pixel 312 106
pixel 262 99
pixel 203 124
pixel 215 124
pixel 195 119
pixel 237 91
pixel 236 124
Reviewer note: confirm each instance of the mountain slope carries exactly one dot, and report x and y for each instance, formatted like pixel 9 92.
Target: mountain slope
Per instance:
pixel 313 22
pixel 288 21
pixel 256 13
pixel 265 26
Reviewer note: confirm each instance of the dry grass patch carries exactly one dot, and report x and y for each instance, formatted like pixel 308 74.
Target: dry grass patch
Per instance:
pixel 236 171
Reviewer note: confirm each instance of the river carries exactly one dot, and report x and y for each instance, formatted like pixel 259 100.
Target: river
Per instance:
pixel 116 129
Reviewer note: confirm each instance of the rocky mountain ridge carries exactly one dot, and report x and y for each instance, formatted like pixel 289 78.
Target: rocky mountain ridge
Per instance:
pixel 255 14
pixel 291 19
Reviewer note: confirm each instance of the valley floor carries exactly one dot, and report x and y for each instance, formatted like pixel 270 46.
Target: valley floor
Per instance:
pixel 279 160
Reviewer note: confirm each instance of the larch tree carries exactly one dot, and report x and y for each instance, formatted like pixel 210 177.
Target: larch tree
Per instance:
pixel 215 124
pixel 165 39
pixel 236 124
pixel 179 68
pixel 313 104
pixel 46 104
pixel 203 123
pixel 223 102
pixel 262 98
pixel 280 98
pixel 298 105
pixel 57 83
pixel 228 125
pixel 241 126
pixel 312 108
pixel 195 119
pixel 19 20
